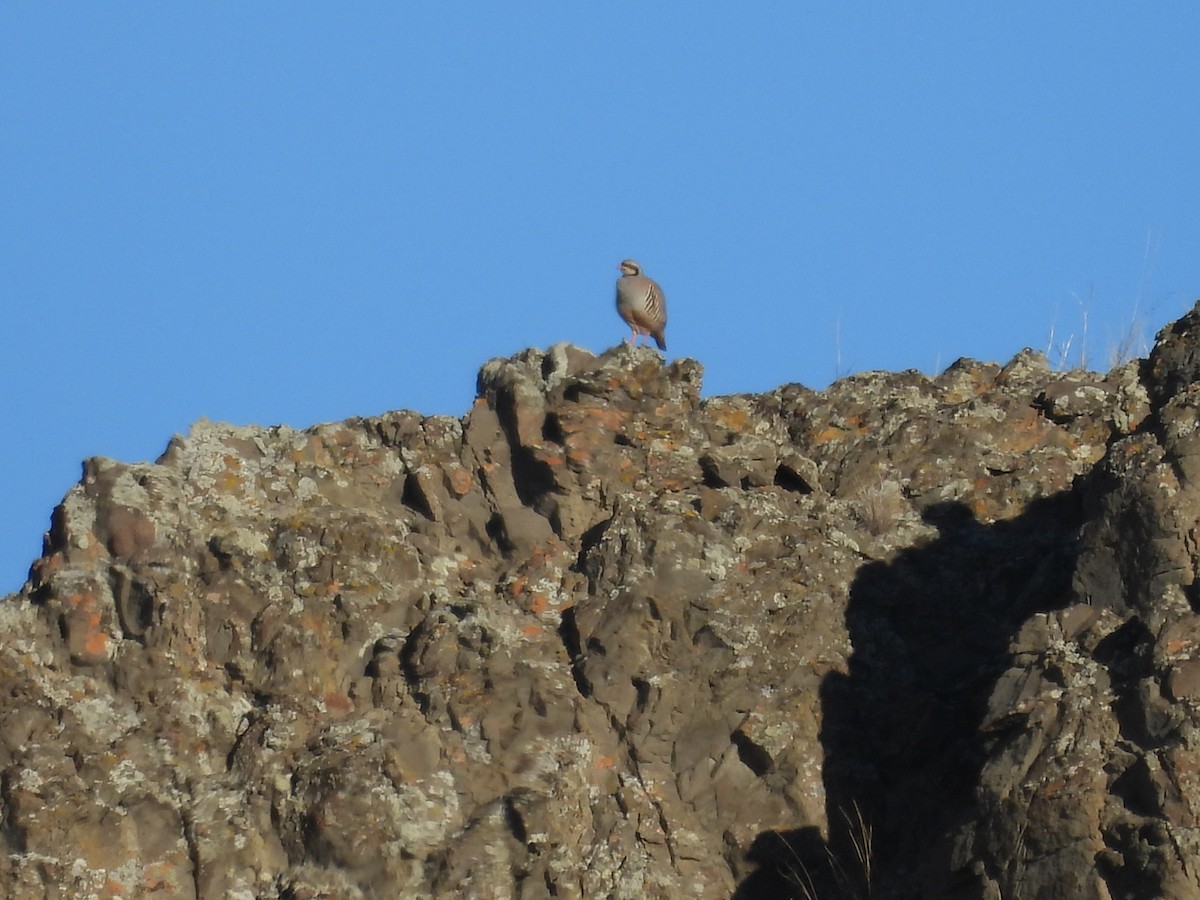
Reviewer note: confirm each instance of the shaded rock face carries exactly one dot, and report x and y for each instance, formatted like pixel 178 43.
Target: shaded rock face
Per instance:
pixel 906 637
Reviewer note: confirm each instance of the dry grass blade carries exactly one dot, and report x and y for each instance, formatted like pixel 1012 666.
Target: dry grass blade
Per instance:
pixel 852 878
pixel 802 878
pixel 861 837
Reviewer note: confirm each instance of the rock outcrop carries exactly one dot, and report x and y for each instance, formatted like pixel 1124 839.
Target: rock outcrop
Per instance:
pixel 906 637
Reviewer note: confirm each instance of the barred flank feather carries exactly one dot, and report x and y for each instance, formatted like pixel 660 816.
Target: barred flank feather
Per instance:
pixel 641 303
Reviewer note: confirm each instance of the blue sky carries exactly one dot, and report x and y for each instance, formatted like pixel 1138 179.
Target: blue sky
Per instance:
pixel 296 212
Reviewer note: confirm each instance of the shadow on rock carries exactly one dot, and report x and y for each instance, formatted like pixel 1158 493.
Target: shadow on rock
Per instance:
pixel 789 863
pixel 903 751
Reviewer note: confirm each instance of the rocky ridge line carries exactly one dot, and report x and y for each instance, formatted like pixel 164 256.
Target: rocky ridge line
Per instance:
pixel 603 638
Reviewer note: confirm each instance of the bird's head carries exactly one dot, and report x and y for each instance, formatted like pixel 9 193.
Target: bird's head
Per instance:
pixel 629 267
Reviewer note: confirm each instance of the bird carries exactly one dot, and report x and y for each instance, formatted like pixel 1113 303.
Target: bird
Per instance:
pixel 641 304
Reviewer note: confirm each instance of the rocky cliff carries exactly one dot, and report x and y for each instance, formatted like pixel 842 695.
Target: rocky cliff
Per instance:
pixel 906 637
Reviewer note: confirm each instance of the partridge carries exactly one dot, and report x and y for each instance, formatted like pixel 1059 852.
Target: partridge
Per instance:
pixel 641 303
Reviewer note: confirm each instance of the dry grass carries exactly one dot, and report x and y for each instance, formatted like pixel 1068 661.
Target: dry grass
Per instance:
pixel 1131 343
pixel 881 505
pixel 1058 351
pixel 852 878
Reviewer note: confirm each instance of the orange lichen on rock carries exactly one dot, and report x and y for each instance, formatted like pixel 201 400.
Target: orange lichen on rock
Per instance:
pixel 87 642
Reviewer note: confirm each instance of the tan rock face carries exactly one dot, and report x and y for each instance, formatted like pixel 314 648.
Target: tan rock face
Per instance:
pixel 906 637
